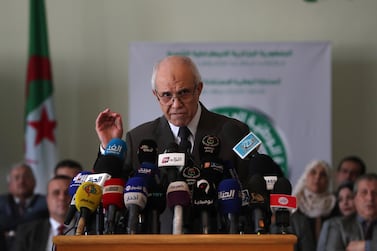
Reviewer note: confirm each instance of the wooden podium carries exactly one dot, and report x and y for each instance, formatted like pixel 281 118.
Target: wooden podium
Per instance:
pixel 186 242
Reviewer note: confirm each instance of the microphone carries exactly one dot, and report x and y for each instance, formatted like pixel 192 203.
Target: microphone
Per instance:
pixel 112 160
pixel 172 162
pixel 147 151
pixel 156 201
pixel 88 198
pixel 211 165
pixel 258 204
pixel 264 165
pixel 178 197
pixel 246 146
pixel 203 203
pixel 281 201
pixel 135 199
pixel 75 183
pixel 112 200
pixel 230 199
pixel 147 155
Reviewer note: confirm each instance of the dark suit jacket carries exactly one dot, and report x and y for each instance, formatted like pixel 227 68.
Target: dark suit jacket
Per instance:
pixel 209 124
pixel 10 219
pixel 32 236
pixel 302 228
pixel 346 229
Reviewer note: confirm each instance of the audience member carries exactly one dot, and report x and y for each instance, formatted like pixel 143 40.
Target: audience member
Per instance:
pixel 346 205
pixel 176 85
pixel 349 168
pixel 37 234
pixel 68 167
pixel 314 199
pixel 20 204
pixel 357 232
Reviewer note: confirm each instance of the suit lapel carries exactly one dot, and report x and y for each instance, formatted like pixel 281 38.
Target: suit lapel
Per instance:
pixel 163 134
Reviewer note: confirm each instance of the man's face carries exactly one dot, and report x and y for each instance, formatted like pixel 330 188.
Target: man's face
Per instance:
pixel 58 198
pixel 348 171
pixel 21 182
pixel 174 79
pixel 366 199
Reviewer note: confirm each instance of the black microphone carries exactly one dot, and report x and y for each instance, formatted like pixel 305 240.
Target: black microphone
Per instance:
pixel 258 205
pixel 212 166
pixel 245 145
pixel 281 201
pixel 204 198
pixel 156 202
pixel 265 166
pixel 112 161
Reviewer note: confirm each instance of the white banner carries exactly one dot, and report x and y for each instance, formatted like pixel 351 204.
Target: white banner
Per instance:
pixel 282 90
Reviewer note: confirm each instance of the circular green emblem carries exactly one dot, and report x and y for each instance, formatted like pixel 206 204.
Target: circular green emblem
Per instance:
pixel 262 126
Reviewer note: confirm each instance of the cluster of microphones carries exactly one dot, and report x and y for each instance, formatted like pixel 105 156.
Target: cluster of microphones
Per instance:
pixel 202 198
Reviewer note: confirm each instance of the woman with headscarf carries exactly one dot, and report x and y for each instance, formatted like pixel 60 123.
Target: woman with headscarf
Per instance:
pixel 315 202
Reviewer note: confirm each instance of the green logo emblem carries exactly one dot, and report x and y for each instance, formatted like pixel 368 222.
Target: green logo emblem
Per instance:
pixel 263 127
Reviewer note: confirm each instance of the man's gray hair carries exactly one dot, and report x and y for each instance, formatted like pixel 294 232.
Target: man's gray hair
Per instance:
pixel 186 60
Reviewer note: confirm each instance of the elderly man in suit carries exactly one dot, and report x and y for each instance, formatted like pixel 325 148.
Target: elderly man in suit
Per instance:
pixel 38 234
pixel 20 204
pixel 357 232
pixel 177 85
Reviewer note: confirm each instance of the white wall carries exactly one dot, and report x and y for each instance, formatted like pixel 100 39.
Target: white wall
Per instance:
pixel 89 52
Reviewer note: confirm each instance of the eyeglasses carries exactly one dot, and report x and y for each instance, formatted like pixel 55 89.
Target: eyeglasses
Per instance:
pixel 184 95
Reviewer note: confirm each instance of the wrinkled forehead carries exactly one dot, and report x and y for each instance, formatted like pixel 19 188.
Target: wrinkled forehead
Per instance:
pixel 174 72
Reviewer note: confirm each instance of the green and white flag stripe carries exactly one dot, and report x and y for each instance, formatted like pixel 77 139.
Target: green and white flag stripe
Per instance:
pixel 40 123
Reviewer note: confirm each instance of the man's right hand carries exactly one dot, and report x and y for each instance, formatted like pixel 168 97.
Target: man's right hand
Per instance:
pixel 109 125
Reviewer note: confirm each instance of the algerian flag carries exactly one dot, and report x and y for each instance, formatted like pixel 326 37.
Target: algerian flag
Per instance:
pixel 40 123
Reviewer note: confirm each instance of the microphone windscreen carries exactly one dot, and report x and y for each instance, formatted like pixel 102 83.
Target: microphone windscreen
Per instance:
pixel 113 193
pixel 178 193
pixel 258 191
pixel 209 147
pixel 150 172
pixel 203 195
pixel 135 192
pixel 264 165
pixel 88 196
pixel 116 147
pixel 109 164
pixel 147 151
pixel 229 196
pixel 77 181
pixel 156 199
pixel 282 186
pixel 232 133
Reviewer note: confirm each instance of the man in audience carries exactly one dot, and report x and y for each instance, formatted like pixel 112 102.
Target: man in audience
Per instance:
pixel 349 168
pixel 20 204
pixel 38 234
pixel 357 232
pixel 68 167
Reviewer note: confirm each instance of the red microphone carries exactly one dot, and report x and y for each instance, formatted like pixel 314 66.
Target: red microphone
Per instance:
pixel 112 200
pixel 281 201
